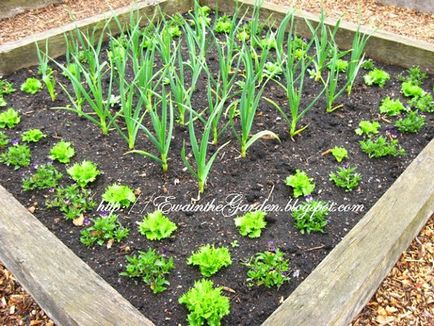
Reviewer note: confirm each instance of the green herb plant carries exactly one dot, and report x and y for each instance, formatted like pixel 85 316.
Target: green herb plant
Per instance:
pixel 268 268
pixel 381 147
pixel 151 267
pixel 4 140
pixel 16 156
pixel 72 201
pixel 210 259
pixel 412 123
pixel 346 178
pixel 46 176
pixel 104 229
pixel 424 103
pixel 310 216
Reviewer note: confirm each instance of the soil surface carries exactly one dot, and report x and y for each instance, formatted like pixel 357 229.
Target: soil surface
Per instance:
pixel 257 178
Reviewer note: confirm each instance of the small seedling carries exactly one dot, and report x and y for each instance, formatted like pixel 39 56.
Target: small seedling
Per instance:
pixel 381 147
pixel 31 86
pixel 368 64
pixel 411 90
pixel 4 140
pixel 205 303
pixel 210 259
pixel 243 35
pixel 310 216
pixel 83 173
pixel 62 152
pixel 72 201
pixel 267 268
pixel 16 156
pixel 119 195
pixel 151 267
pixel 223 25
pixel 32 136
pixel 346 178
pixel 424 103
pixel 376 77
pixel 368 128
pixel 156 226
pixel 251 224
pixel 391 107
pixel 300 182
pixel 412 123
pixel 234 244
pixel 339 153
pixel 3 102
pixel 46 176
pixel 272 69
pixel 341 65
pixel 414 75
pixel 9 118
pixel 104 229
pixel 6 87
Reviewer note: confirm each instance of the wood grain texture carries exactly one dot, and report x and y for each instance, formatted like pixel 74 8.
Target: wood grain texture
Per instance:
pixel 342 284
pixel 66 288
pixel 383 46
pixel 22 53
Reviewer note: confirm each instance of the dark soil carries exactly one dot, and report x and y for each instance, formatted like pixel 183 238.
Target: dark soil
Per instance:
pixel 265 169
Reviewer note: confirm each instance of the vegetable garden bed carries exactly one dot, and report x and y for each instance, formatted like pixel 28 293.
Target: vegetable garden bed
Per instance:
pixel 353 268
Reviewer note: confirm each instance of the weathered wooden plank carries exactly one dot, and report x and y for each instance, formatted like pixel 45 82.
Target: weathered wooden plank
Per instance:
pixel 344 281
pixel 22 53
pixel 382 46
pixel 68 290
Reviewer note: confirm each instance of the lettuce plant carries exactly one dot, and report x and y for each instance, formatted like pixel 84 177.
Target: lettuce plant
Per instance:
pixel 151 267
pixel 46 176
pixel 381 147
pixel 272 69
pixel 72 201
pixel 346 178
pixel 16 156
pixel 341 65
pixel 205 303
pixel 3 102
pixel 310 216
pixel 268 268
pixel 251 224
pixel 83 173
pixel 376 77
pixel 424 103
pixel 391 107
pixel 412 122
pixel 268 42
pixel 367 128
pixel 9 118
pixel 32 136
pixel 223 25
pixel 4 140
pixel 210 259
pixel 62 151
pixel 301 183
pixel 411 90
pixel 119 195
pixel 31 86
pixel 243 35
pixel 157 226
pixel 104 229
pixel 339 153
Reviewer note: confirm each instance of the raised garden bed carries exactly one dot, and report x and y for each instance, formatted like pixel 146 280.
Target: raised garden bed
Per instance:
pixel 353 268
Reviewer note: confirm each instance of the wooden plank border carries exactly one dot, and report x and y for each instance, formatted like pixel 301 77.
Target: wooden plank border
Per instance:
pixel 65 287
pixel 71 293
pixel 22 53
pixel 383 46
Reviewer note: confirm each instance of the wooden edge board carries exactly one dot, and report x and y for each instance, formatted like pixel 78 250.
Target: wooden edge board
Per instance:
pixel 65 287
pixel 382 46
pixel 22 53
pixel 341 285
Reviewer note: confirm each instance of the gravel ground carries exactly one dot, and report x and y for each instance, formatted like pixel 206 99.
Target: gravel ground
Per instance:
pixel 406 296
